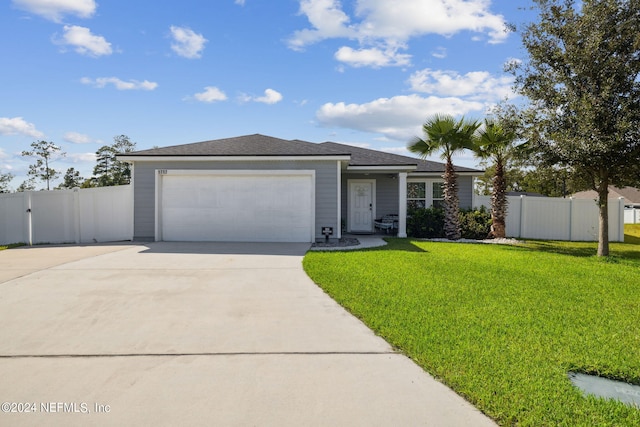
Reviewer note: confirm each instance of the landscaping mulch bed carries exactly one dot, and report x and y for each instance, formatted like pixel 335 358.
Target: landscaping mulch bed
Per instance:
pixel 343 242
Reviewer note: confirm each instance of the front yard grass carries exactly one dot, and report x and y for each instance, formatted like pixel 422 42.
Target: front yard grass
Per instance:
pixel 502 325
pixel 11 246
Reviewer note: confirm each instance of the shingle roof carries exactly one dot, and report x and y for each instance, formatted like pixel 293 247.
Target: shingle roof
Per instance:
pixel 261 145
pixel 248 145
pixel 630 194
pixel 366 157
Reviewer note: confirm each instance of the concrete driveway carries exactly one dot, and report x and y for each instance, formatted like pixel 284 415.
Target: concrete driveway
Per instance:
pixel 196 334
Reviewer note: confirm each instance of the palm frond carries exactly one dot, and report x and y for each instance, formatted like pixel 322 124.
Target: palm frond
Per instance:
pixel 442 132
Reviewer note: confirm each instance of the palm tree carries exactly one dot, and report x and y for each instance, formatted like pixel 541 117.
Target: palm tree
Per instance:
pixel 444 133
pixel 495 142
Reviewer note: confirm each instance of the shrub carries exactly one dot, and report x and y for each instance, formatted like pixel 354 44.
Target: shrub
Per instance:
pixel 426 223
pixel 429 223
pixel 475 223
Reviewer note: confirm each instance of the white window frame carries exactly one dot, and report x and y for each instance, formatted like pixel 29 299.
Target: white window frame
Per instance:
pixel 428 184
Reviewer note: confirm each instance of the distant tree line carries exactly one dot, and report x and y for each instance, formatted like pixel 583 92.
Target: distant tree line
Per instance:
pixel 107 172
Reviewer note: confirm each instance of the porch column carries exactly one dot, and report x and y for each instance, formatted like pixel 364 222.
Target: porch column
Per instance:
pixel 402 204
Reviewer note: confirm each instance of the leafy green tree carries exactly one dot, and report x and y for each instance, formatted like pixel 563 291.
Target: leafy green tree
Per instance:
pixel 44 152
pixel 550 181
pixel 5 179
pixel 105 170
pixel 27 185
pixel 447 135
pixel 484 183
pixel 582 80
pixel 88 183
pixel 494 142
pixel 71 179
pixel 109 170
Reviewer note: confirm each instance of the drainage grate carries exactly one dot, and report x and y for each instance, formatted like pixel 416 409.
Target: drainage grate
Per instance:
pixel 606 388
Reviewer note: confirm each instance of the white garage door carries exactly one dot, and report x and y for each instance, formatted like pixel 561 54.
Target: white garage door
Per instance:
pixel 238 206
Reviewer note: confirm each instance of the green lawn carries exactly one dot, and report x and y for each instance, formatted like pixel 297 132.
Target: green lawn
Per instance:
pixel 11 245
pixel 502 325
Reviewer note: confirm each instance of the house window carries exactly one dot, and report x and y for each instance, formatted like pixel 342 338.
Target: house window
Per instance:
pixel 425 193
pixel 437 199
pixel 416 195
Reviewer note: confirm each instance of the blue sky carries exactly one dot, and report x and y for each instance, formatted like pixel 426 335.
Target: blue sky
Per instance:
pixel 362 72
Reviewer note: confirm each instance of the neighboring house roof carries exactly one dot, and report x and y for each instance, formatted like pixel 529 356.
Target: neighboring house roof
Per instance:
pixel 631 194
pixel 261 145
pixel 525 193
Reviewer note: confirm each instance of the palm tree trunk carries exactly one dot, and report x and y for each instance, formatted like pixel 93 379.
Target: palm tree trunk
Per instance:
pixel 451 202
pixel 499 203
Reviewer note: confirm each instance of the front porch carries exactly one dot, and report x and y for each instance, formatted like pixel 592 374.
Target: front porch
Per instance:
pixel 370 194
pixel 367 197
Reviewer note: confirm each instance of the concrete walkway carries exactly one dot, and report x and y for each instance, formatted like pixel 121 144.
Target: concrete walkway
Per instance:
pixel 197 334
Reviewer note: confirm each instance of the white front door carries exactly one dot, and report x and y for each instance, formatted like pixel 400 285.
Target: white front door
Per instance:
pixel 361 205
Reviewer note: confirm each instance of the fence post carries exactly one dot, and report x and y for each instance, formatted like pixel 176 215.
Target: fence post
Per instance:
pixel 570 219
pixel 522 216
pixel 621 219
pixel 27 196
pixel 76 214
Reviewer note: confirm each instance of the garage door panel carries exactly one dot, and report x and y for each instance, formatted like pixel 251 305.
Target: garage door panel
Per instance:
pixel 275 208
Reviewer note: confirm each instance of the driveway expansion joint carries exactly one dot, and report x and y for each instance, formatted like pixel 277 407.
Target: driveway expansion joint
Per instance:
pixel 267 353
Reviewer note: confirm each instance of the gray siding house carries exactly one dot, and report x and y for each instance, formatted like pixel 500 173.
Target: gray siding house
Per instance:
pixel 257 188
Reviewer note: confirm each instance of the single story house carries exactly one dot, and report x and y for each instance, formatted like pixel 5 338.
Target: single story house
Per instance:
pixel 257 188
pixel 631 195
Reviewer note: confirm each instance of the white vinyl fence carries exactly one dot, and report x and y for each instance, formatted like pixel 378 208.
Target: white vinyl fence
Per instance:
pixel 67 216
pixel 631 215
pixel 551 218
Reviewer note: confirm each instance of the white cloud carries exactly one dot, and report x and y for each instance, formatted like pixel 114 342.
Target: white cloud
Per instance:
pixel 101 82
pixel 54 10
pixel 402 150
pixel 187 43
pixel 439 52
pixel 270 97
pixel 327 19
pixel 210 94
pixel 373 57
pixel 478 85
pixel 85 42
pixel 410 18
pixel 17 125
pixel 81 158
pixel 243 98
pixel 380 27
pixel 240 2
pixel 398 118
pixel 356 144
pixel 77 138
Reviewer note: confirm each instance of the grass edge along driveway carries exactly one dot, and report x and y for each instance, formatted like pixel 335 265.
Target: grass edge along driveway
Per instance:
pixel 502 325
